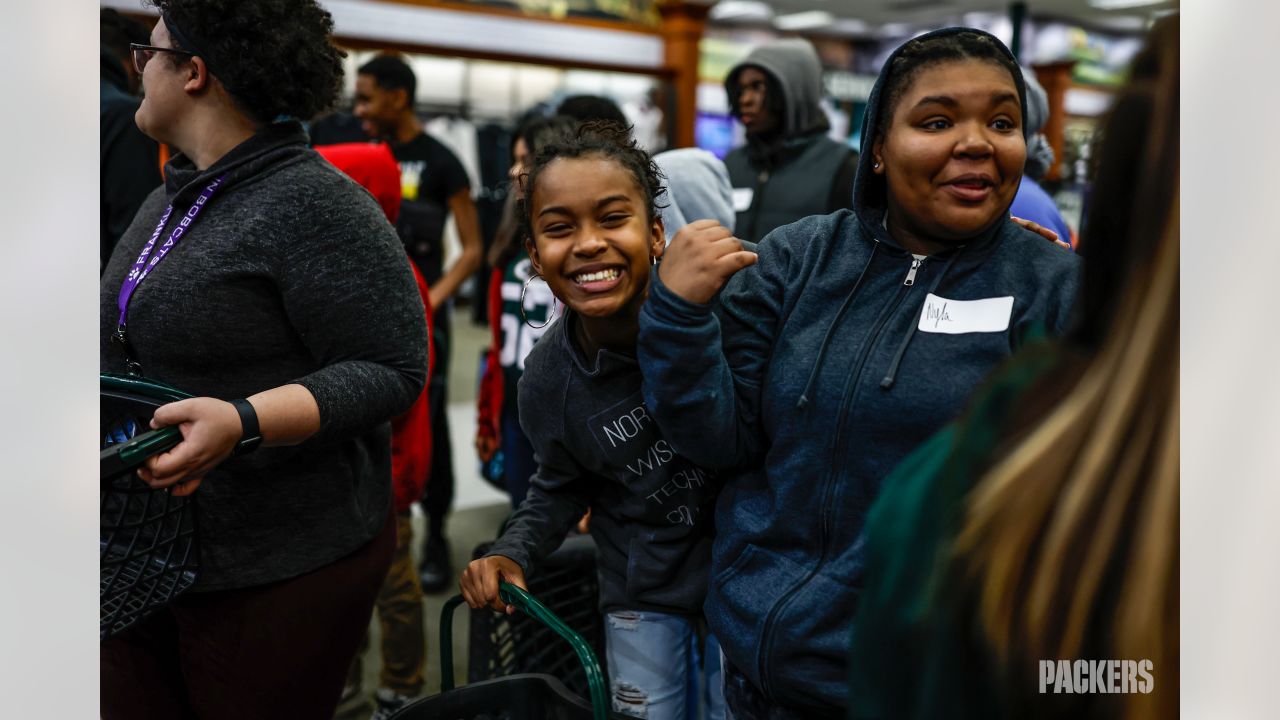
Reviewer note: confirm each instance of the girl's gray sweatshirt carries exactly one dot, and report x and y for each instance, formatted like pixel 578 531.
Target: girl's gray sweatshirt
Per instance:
pixel 597 447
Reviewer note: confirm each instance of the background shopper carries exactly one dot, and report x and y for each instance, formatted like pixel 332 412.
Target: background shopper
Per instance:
pixel 789 168
pixel 433 185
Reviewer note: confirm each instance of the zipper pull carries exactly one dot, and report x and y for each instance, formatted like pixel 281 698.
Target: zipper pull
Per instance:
pixel 763 177
pixel 911 274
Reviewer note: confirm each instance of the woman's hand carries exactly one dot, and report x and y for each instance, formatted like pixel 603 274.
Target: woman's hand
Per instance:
pixel 479 582
pixel 701 259
pixel 210 430
pixel 1044 232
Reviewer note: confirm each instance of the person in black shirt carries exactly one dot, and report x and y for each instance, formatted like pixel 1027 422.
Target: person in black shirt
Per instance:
pixel 433 184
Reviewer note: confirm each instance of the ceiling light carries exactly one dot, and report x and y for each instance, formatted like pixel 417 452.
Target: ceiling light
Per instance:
pixel 1123 4
pixel 741 10
pixel 803 20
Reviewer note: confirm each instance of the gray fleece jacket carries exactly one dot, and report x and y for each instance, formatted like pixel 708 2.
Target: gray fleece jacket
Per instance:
pixel 697 189
pixel 290 274
pixel 597 446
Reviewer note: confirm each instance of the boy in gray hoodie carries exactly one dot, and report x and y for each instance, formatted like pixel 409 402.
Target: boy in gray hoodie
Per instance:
pixel 789 168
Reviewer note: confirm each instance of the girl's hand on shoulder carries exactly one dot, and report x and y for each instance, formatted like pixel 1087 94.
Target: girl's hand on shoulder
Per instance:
pixel 479 582
pixel 210 430
pixel 700 260
pixel 1044 232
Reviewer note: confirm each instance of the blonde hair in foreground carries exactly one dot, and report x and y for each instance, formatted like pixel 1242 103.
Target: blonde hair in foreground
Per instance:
pixel 1071 537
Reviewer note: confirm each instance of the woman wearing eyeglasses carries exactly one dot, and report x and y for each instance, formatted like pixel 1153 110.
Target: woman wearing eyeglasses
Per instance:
pixel 265 282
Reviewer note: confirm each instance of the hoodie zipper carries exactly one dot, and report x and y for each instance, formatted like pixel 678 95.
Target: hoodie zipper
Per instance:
pixel 911 274
pixel 827 517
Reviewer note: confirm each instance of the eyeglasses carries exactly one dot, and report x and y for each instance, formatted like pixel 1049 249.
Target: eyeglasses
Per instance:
pixel 143 53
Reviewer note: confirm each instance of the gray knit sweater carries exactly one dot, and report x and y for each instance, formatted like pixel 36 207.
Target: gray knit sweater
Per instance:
pixel 291 274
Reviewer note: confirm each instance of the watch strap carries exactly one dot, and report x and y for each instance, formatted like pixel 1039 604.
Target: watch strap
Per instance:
pixel 250 435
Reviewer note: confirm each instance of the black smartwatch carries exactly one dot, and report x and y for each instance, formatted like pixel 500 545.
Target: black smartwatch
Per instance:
pixel 250 436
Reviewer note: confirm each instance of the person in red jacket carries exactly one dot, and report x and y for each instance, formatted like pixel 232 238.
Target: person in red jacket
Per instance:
pixel 399 604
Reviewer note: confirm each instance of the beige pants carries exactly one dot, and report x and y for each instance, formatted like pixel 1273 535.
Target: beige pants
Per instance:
pixel 399 609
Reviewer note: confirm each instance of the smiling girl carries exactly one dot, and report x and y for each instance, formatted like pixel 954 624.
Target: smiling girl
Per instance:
pixel 594 234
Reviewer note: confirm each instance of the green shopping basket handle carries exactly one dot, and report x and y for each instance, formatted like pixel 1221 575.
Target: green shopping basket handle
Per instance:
pixel 522 600
pixel 146 387
pixel 120 458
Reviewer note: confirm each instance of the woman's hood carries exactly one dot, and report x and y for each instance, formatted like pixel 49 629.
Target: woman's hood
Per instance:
pixel 868 188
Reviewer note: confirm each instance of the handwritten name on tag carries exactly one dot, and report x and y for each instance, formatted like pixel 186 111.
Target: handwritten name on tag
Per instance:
pixel 742 199
pixel 955 317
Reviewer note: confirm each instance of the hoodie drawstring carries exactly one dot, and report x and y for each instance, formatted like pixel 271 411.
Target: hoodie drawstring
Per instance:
pixel 892 375
pixel 822 350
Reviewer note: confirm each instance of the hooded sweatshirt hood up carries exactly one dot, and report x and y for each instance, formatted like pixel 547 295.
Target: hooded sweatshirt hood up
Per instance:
pixel 817 371
pixel 793 170
pixel 869 188
pixel 795 68
pixel 697 189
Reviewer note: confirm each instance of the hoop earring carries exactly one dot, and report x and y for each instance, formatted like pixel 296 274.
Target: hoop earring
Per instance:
pixel 550 313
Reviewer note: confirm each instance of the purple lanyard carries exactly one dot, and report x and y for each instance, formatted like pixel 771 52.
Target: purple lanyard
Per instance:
pixel 147 262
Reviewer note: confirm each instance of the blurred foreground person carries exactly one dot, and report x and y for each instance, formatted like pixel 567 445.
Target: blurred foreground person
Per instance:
pixel 1041 530
pixel 267 283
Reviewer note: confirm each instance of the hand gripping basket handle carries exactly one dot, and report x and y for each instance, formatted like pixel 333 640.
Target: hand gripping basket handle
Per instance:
pixel 525 602
pixel 120 458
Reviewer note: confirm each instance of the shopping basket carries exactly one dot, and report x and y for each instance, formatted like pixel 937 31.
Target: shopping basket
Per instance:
pixel 526 696
pixel 147 549
pixel 567 584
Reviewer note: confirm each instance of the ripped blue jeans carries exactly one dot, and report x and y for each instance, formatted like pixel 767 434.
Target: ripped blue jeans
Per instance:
pixel 652 670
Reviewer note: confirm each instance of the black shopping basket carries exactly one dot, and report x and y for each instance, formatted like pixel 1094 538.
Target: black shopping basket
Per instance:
pixel 566 583
pixel 525 696
pixel 147 551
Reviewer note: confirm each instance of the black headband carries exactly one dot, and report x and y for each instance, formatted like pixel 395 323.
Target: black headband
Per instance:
pixel 187 41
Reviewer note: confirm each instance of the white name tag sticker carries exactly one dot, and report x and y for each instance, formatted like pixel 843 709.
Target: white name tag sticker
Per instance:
pixel 956 317
pixel 742 199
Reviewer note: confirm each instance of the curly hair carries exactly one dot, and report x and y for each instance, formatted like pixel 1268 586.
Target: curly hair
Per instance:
pixel 274 57
pixel 598 138
pixel 918 54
